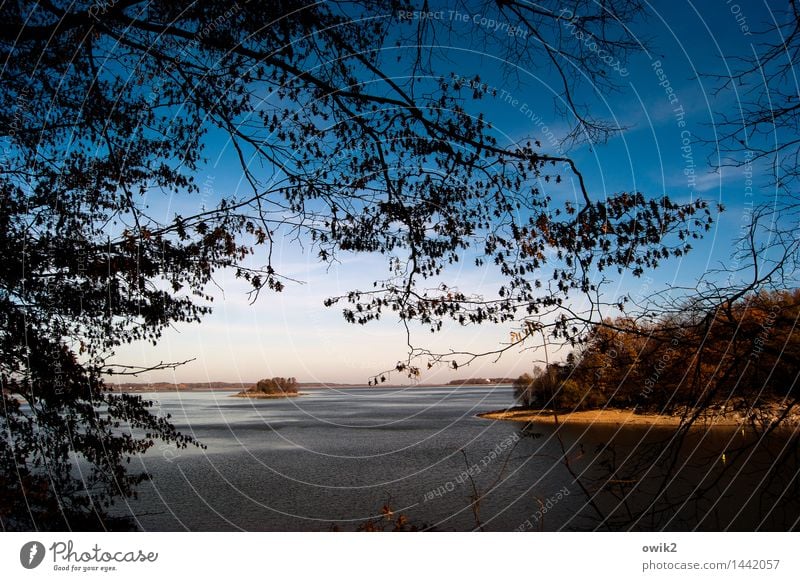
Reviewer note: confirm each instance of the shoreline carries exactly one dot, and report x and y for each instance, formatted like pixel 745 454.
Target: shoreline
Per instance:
pixel 312 386
pixel 606 417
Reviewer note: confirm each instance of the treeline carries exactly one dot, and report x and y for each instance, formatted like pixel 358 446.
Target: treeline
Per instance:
pixel 742 353
pixel 276 385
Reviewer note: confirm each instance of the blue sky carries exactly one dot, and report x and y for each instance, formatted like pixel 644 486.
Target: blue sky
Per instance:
pixel 293 334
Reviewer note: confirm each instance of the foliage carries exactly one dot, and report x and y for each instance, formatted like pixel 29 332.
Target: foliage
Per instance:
pixel 742 354
pixel 391 521
pixel 555 388
pixel 758 134
pixel 103 110
pixel 522 390
pixel 277 385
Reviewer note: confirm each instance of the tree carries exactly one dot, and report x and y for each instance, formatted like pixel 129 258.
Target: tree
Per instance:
pixel 738 361
pixel 277 385
pixel 523 390
pixel 104 106
pixel 739 356
pixel 760 136
pixel 559 387
pixel 729 340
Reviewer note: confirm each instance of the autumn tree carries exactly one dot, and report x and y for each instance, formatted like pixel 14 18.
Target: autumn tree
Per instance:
pixel 557 387
pixel 740 356
pixel 523 390
pixel 105 107
pixel 725 343
pixel 277 385
pixel 736 362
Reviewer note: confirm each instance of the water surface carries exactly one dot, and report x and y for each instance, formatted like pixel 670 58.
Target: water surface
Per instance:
pixel 334 457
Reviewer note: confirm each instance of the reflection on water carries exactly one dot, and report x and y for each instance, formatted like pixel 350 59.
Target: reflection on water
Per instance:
pixel 337 456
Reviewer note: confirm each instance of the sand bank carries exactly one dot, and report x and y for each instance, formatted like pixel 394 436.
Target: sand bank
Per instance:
pixel 605 417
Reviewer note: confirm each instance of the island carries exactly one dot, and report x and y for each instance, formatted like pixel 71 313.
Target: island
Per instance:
pixel 271 388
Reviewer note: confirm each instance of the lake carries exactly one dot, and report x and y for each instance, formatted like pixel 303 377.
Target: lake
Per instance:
pixel 333 458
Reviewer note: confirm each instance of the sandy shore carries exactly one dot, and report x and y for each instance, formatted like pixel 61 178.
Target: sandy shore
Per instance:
pixel 265 395
pixel 613 417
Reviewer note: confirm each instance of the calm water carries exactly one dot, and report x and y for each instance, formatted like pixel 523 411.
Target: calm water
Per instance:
pixel 335 457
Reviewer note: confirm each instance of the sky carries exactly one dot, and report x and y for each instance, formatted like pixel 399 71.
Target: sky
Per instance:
pixel 665 103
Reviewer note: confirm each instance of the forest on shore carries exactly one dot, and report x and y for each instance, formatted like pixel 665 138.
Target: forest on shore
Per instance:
pixel 740 356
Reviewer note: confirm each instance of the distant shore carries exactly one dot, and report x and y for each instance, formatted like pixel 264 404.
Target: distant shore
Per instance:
pixel 618 417
pixel 162 387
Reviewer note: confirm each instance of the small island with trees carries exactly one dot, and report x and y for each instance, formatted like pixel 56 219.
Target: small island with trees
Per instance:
pixel 271 388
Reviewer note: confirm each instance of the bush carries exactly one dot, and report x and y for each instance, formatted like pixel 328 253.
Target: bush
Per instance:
pixel 574 395
pixel 554 387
